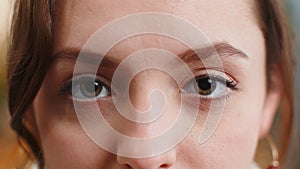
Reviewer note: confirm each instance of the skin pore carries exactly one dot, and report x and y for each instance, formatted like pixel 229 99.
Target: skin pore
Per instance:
pixel 247 114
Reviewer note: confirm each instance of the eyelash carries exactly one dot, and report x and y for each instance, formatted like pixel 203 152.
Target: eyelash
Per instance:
pixel 230 83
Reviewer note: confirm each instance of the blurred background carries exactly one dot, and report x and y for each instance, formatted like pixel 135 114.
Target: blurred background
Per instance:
pixel 293 8
pixel 10 153
pixel 8 143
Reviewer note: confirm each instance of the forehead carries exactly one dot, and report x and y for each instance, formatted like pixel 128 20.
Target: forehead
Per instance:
pixel 231 21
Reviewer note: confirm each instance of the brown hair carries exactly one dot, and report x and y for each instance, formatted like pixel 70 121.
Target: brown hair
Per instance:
pixel 279 45
pixel 29 54
pixel 31 45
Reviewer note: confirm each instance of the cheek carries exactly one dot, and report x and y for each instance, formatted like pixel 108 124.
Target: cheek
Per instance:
pixel 235 138
pixel 67 147
pixel 64 143
pixel 238 132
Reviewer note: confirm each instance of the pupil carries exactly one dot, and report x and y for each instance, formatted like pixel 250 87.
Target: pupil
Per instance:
pixel 96 87
pixel 91 89
pixel 204 84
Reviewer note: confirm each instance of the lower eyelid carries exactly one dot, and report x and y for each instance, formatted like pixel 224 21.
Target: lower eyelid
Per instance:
pixel 90 101
pixel 204 101
pixel 205 104
pixel 201 96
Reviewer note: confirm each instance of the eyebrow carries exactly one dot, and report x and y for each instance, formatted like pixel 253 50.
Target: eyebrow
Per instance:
pixel 222 49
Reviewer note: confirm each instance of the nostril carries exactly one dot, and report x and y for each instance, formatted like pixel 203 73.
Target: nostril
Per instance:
pixel 126 166
pixel 164 166
pixel 164 161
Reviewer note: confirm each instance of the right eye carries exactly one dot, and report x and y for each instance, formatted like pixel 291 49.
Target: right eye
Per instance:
pixel 86 88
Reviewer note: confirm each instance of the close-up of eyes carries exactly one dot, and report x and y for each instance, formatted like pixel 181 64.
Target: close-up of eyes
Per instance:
pixel 210 85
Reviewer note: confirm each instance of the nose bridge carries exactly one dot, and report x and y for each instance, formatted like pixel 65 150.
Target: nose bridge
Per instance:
pixel 143 84
pixel 140 91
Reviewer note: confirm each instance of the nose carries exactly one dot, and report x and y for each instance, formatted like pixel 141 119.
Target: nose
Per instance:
pixel 164 161
pixel 140 89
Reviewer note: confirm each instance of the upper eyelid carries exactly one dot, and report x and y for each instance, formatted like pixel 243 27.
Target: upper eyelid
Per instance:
pixel 97 77
pixel 214 77
pixel 210 73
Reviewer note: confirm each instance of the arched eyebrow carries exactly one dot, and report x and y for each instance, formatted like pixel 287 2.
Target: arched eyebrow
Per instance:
pixel 222 49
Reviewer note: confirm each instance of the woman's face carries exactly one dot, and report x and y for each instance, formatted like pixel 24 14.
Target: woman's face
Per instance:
pixel 237 85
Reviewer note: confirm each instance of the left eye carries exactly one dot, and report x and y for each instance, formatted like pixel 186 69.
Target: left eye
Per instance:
pixel 209 86
pixel 89 88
